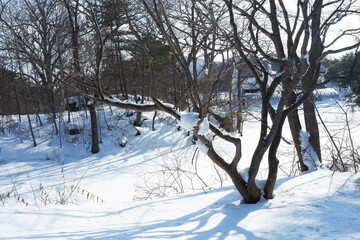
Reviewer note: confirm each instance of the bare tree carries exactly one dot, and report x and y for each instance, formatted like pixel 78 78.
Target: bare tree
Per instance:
pixel 298 61
pixel 272 34
pixel 296 45
pixel 33 31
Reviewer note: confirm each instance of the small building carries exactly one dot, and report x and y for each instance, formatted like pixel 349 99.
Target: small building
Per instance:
pixel 251 90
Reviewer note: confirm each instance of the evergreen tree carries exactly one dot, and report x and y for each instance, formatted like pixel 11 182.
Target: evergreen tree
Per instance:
pixel 345 71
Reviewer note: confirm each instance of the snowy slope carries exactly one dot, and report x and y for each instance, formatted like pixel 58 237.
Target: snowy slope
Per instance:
pixel 317 205
pixel 100 189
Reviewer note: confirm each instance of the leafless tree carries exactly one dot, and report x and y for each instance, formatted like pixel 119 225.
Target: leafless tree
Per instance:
pixel 296 43
pixel 33 30
pixel 261 33
pixel 298 62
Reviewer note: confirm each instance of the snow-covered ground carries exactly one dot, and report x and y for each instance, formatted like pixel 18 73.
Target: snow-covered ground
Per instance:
pixel 160 186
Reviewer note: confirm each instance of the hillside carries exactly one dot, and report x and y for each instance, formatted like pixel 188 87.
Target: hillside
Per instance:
pixel 159 185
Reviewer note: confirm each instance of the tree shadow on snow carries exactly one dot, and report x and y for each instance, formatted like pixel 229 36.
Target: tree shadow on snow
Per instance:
pixel 218 220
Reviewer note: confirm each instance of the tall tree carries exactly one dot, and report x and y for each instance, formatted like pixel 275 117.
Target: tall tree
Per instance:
pixel 345 71
pixel 293 41
pixel 35 33
pixel 295 45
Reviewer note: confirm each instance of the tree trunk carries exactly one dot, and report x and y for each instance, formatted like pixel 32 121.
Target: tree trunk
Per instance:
pixel 40 102
pixel 239 115
pixel 311 77
pixel 120 71
pixel 53 109
pixel 94 129
pixel 137 122
pixel 68 105
pixel 295 127
pixel 30 125
pixel 312 125
pixel 153 122
pixel 39 118
pixel 18 103
pixel 123 78
pixel 273 162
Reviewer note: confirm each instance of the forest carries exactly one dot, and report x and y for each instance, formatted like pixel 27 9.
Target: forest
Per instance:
pixel 177 97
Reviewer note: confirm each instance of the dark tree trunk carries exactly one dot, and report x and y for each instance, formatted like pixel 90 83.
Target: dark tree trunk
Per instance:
pixel 30 125
pixel 153 122
pixel 40 100
pixel 38 118
pixel 120 71
pixel 137 122
pixel 94 129
pixel 312 125
pixel 273 167
pixel 53 108
pixel 239 115
pixel 311 77
pixel 273 161
pixel 68 105
pixel 138 114
pixel 295 127
pixel 18 103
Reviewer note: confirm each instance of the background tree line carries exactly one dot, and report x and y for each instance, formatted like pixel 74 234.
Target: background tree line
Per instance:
pixel 345 71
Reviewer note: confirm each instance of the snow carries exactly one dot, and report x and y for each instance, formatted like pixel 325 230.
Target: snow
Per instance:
pixel 293 214
pixel 204 127
pixel 202 147
pixel 326 92
pixel 307 58
pixel 90 102
pixel 188 120
pixel 311 160
pixel 114 100
pixel 278 74
pixel 244 173
pixel 75 100
pixel 320 204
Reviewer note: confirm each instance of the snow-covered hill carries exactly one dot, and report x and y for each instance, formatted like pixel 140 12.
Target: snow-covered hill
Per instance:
pixel 158 185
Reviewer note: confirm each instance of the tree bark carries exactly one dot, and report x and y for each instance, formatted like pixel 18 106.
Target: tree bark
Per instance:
pixel 30 125
pixel 273 161
pixel 312 125
pixel 295 127
pixel 239 115
pixel 94 129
